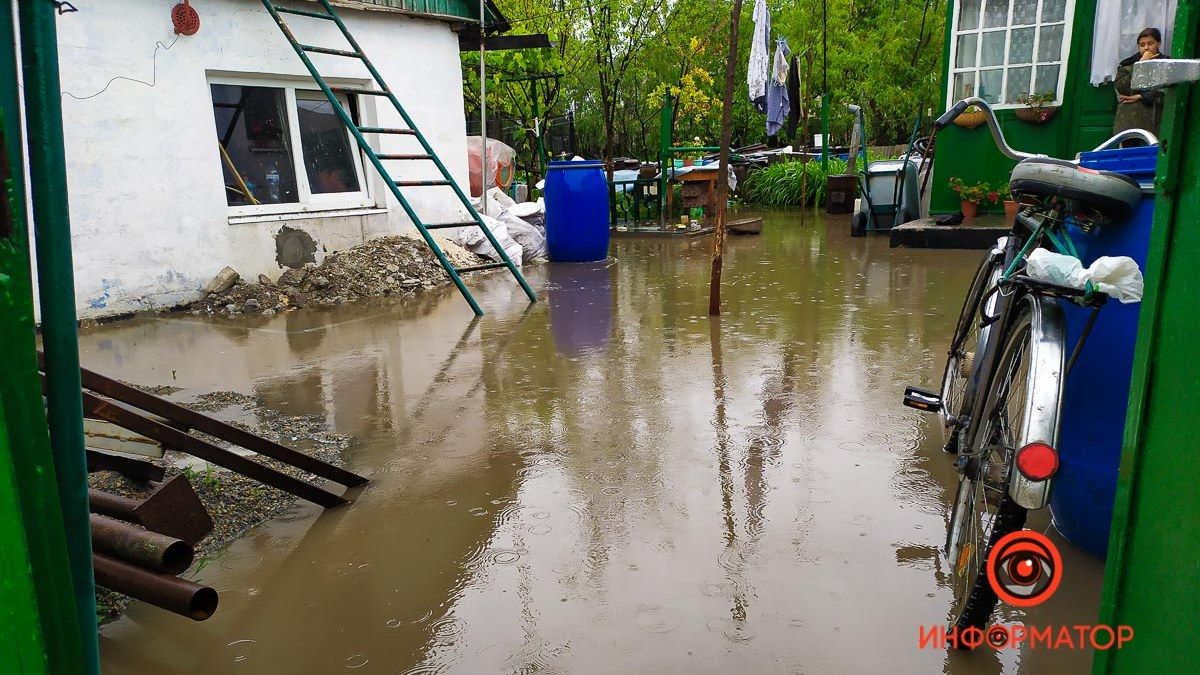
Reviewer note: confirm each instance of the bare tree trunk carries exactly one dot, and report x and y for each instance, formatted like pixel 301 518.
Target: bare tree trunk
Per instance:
pixel 714 285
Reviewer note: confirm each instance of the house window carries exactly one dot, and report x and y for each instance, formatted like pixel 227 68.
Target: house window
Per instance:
pixel 1004 49
pixel 283 149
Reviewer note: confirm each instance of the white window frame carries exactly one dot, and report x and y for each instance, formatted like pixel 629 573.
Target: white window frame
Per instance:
pixel 308 202
pixel 1067 23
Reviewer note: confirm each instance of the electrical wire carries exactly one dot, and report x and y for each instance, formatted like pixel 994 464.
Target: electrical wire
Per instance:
pixel 153 73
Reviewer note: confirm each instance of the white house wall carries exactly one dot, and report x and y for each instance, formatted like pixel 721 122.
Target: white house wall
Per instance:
pixel 148 209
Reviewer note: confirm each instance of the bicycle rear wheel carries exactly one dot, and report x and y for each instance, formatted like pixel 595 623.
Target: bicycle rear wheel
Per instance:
pixel 1021 406
pixel 969 338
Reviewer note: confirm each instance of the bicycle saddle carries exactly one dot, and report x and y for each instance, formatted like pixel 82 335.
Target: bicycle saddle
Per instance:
pixel 1086 193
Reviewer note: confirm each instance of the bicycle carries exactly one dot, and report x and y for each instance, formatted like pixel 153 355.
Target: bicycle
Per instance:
pixel 1002 385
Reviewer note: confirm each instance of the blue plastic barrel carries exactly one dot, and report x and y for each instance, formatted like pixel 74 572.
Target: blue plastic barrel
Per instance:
pixel 576 212
pixel 1096 393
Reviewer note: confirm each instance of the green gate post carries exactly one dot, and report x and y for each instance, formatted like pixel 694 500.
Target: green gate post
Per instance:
pixel 37 602
pixel 56 293
pixel 1152 579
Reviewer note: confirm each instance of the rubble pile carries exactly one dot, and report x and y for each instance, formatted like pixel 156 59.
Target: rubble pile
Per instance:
pixel 389 266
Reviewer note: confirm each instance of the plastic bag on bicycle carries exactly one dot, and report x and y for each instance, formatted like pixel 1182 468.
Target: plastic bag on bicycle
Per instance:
pixel 1116 276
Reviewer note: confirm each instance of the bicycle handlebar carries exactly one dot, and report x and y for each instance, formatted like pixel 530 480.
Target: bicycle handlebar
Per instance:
pixel 993 125
pixel 1012 153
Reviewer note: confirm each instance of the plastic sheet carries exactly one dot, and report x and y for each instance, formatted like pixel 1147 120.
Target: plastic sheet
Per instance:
pixel 501 160
pixel 1115 276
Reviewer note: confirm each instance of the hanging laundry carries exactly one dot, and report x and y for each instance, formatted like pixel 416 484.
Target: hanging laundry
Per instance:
pixel 793 91
pixel 760 56
pixel 778 105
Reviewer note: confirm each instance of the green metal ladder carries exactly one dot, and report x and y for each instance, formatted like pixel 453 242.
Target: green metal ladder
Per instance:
pixel 377 159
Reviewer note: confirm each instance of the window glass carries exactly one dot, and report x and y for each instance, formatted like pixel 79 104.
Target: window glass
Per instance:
pixel 254 134
pixel 1047 79
pixel 1050 45
pixel 965 51
pixel 329 159
pixel 1024 12
pixel 964 85
pixel 1053 10
pixel 995 14
pixel 990 82
pixel 992 52
pixel 968 14
pixel 1018 83
pixel 1020 46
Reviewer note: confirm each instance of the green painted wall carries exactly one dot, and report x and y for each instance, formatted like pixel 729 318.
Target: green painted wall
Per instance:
pixel 37 606
pixel 1083 122
pixel 1152 580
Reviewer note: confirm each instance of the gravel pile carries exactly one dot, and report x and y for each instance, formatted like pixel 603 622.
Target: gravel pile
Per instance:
pixel 236 503
pixel 389 266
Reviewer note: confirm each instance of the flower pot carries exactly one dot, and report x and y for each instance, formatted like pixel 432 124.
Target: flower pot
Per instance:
pixel 689 162
pixel 1037 115
pixel 970 120
pixel 1010 211
pixel 969 209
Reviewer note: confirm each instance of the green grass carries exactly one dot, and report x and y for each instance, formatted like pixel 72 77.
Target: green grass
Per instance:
pixel 785 184
pixel 790 183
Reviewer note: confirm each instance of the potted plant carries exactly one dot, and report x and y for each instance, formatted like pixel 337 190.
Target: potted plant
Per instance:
pixel 970 118
pixel 1010 205
pixel 689 158
pixel 972 194
pixel 1038 108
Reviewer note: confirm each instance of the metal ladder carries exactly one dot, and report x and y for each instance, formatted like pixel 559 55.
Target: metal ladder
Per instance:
pixel 377 159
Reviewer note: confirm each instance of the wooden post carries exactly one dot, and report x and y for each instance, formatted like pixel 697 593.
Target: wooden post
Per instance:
pixel 714 285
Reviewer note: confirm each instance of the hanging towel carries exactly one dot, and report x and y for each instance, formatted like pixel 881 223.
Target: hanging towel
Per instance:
pixel 778 105
pixel 760 50
pixel 793 91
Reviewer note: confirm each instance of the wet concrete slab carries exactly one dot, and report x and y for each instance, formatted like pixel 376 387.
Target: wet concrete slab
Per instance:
pixel 606 481
pixel 980 232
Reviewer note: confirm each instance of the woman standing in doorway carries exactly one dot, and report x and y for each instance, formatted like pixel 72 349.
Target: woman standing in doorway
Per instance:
pixel 1139 108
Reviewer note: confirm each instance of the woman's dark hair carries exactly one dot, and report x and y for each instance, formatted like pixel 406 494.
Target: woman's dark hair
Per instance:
pixel 1150 32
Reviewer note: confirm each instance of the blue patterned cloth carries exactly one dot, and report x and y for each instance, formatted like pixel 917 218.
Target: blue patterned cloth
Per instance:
pixel 778 105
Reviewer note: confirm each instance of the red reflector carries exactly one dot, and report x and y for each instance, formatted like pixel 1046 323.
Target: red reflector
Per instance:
pixel 1037 461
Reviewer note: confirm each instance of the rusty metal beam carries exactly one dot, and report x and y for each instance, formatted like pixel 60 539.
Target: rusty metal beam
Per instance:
pixel 134 469
pixel 177 440
pixel 185 417
pixel 139 546
pixel 161 590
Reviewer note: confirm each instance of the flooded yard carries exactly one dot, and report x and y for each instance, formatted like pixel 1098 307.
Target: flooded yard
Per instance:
pixel 608 481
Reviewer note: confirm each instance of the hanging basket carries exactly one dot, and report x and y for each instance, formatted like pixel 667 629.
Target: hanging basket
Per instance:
pixel 1037 115
pixel 970 120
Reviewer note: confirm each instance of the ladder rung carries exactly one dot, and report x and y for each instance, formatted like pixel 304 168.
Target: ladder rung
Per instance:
pixel 334 52
pixel 442 226
pixel 304 12
pixel 405 157
pixel 352 91
pixel 387 130
pixel 476 268
pixel 421 183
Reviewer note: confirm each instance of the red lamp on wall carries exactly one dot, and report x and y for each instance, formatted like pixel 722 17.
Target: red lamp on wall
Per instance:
pixel 185 18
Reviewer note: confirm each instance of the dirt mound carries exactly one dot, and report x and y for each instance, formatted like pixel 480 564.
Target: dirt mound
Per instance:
pixel 389 266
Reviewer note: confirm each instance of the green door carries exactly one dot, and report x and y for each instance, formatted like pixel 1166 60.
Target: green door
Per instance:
pixel 1152 581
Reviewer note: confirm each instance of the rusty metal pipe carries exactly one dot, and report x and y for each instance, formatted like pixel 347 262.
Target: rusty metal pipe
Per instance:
pixel 139 546
pixel 161 590
pixel 113 506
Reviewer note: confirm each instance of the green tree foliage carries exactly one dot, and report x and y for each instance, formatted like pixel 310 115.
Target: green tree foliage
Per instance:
pixel 618 59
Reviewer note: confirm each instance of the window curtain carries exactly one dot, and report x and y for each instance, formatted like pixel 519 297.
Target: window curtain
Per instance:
pixel 1117 24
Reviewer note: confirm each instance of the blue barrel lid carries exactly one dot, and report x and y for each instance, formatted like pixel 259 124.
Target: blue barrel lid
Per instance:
pixel 572 164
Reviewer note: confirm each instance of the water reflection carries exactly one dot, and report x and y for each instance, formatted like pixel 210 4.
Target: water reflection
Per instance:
pixel 607 481
pixel 581 305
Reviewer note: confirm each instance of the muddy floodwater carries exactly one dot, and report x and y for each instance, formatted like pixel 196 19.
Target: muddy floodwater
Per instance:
pixel 608 481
